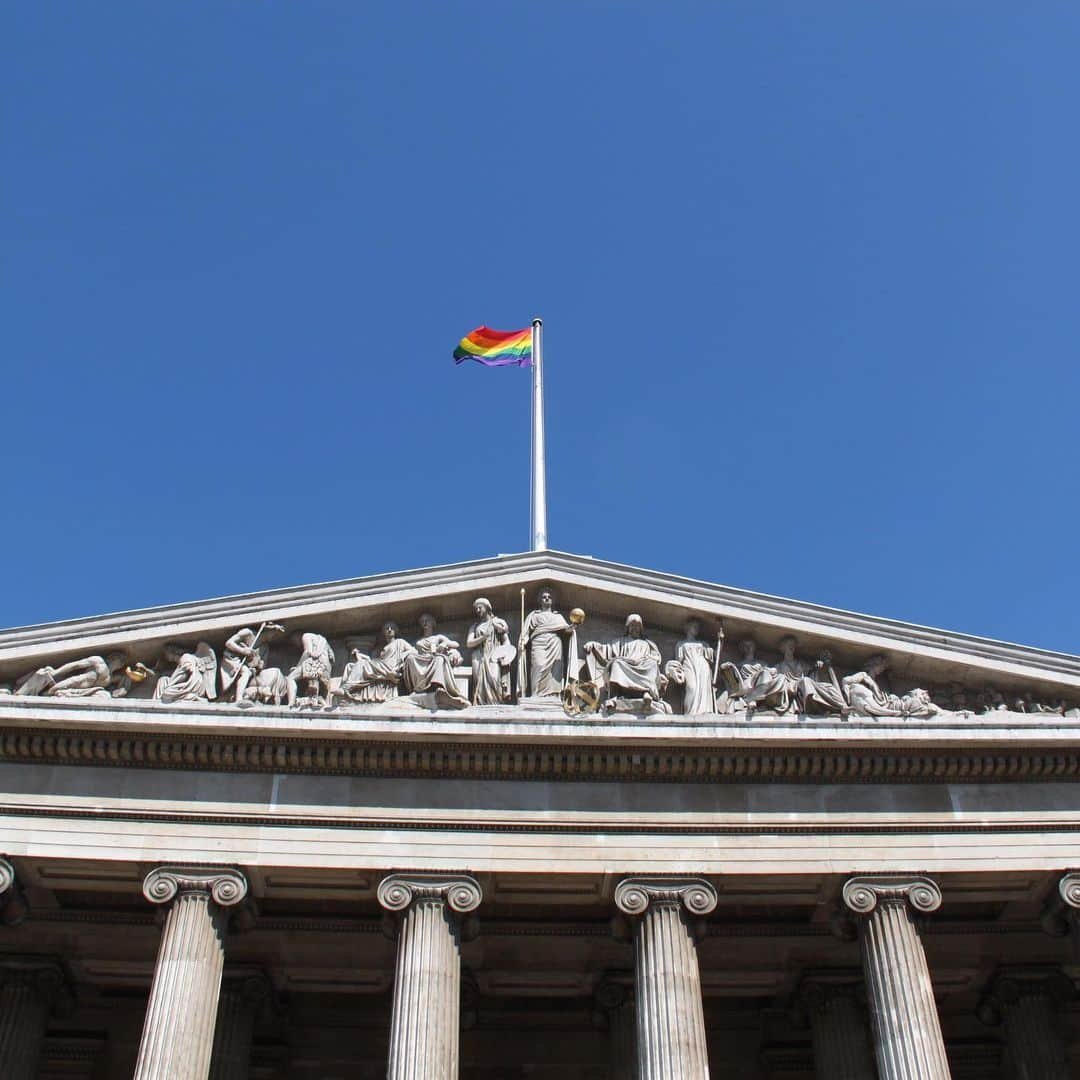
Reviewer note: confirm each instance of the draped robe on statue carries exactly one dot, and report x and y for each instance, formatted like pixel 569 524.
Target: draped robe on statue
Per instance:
pixel 376 678
pixel 543 631
pixel 430 669
pixel 692 669
pixel 629 664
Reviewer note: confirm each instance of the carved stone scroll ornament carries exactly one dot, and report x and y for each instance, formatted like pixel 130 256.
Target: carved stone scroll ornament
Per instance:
pixel 225 887
pixel 629 670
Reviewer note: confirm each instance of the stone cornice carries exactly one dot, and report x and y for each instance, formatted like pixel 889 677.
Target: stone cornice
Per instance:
pixel 761 751
pixel 225 886
pixel 645 587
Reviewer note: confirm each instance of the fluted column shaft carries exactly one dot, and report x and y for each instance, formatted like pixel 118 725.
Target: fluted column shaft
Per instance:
pixel 617 1004
pixel 838 1027
pixel 238 1008
pixel 667 981
pixel 27 992
pixel 1027 1002
pixel 908 1044
pixel 426 1018
pixel 178 1032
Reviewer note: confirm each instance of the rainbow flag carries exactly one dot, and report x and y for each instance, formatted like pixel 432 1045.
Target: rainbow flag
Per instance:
pixel 496 348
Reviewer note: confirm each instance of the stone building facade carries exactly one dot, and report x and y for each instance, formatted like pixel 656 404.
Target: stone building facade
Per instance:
pixel 539 816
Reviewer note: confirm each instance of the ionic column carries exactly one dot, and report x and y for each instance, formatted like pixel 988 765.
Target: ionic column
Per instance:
pixel 838 1028
pixel 907 1033
pixel 238 1008
pixel 616 1002
pixel 29 987
pixel 670 1022
pixel 178 1033
pixel 426 1016
pixel 1028 1002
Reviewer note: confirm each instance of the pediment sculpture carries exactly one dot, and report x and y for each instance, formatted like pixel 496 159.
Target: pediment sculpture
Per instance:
pixel 480 666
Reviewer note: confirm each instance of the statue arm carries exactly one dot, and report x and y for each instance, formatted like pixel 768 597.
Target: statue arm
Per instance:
pixel 474 640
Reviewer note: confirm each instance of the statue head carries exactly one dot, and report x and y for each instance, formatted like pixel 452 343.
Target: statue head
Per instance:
pixel 390 630
pixel 117 661
pixel 787 646
pixel 635 626
pixel 427 624
pixel 481 607
pixel 693 629
pixel 876 664
pixel 749 647
pixel 545 599
pixel 172 652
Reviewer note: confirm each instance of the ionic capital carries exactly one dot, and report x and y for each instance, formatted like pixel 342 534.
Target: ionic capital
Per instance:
pixel 634 896
pixel 863 894
pixel 1069 888
pixel 225 886
pixel 460 892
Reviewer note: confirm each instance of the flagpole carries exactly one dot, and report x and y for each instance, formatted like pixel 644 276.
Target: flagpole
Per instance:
pixel 539 477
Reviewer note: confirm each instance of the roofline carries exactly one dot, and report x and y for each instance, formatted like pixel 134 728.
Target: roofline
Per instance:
pixel 872 630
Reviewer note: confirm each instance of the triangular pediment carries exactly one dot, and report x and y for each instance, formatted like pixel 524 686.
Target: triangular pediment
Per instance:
pixel 350 612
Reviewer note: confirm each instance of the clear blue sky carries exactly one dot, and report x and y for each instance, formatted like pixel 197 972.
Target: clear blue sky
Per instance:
pixel 808 275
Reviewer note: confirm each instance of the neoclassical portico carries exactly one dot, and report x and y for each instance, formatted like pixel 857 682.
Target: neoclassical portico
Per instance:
pixel 856 855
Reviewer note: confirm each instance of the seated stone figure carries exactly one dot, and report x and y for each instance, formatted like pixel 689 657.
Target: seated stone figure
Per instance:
pixel 375 678
pixel 194 677
pixel 429 668
pixel 628 668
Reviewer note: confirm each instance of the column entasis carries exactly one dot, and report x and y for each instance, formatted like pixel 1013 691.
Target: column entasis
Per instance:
pixel 908 1044
pixel 670 1022
pixel 838 1027
pixel 426 1017
pixel 178 1033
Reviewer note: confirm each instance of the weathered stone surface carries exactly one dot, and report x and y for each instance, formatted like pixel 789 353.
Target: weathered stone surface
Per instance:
pixel 178 1032
pixel 667 985
pixel 908 1044
pixel 426 1019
